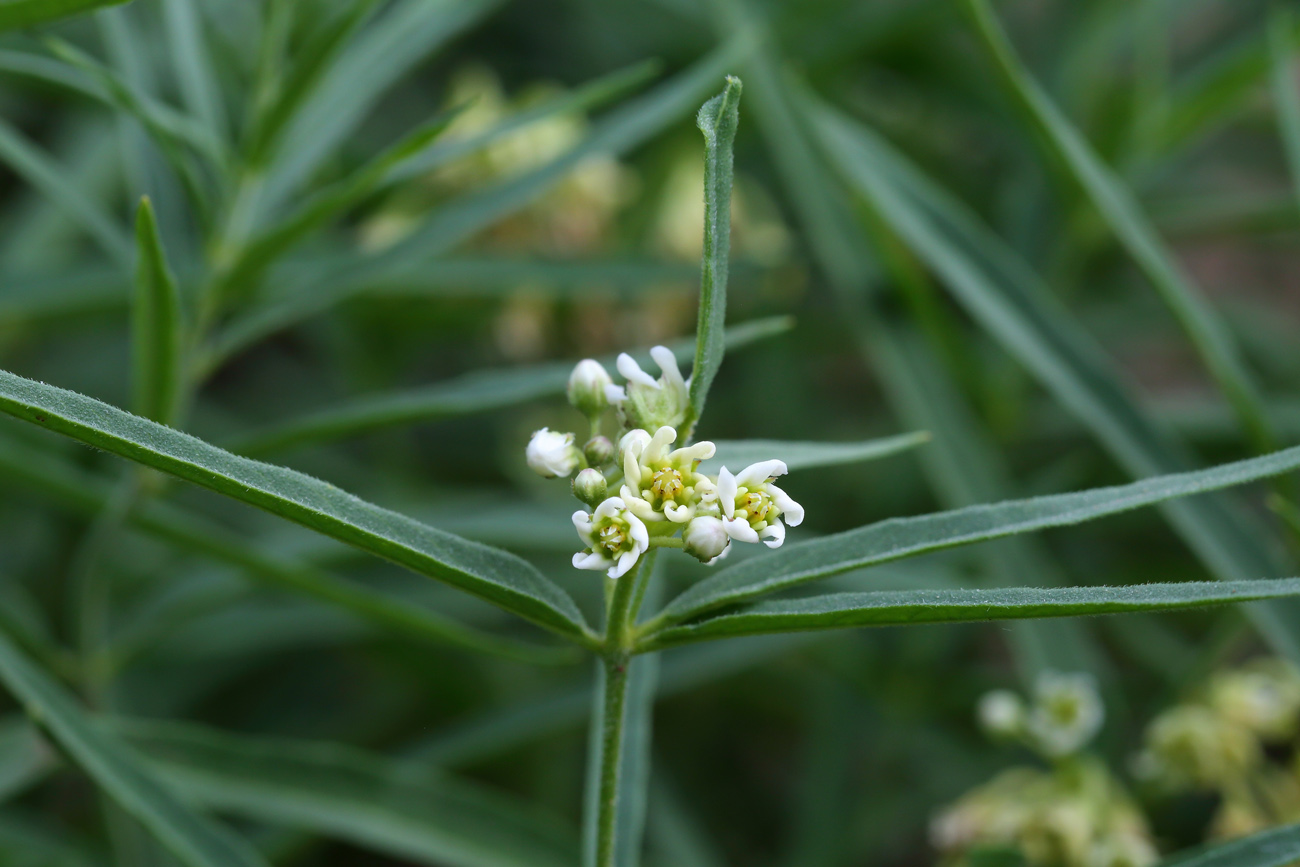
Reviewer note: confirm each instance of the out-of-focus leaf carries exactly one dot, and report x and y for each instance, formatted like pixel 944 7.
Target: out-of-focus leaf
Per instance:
pixel 1272 848
pixel 348 794
pixel 29 13
pixel 89 494
pixel 25 757
pixel 718 120
pixel 805 455
pixel 117 770
pixel 155 323
pixel 475 392
pixel 1117 205
pixel 25 839
pixel 1286 93
pixel 34 166
pixel 903 537
pixel 195 71
pixel 902 607
pixel 491 574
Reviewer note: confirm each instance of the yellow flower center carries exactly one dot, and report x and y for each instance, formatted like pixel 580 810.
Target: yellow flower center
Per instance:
pixel 667 484
pixel 754 506
pixel 611 537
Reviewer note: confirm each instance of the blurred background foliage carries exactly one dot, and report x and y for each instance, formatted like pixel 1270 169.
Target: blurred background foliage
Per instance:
pixel 558 215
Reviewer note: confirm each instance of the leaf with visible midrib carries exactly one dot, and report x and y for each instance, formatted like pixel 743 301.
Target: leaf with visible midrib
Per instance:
pixel 902 607
pixel 194 839
pixel 494 575
pixel 906 537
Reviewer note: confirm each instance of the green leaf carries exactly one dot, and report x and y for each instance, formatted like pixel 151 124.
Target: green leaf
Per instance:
pixel 155 323
pixel 1122 212
pixel 116 768
pixel 25 757
pixel 904 607
pixel 1001 292
pixel 195 70
pixel 896 538
pixel 1275 847
pixel 29 13
pixel 615 134
pixel 35 167
pixel 348 794
pixel 718 119
pixel 474 392
pixel 806 455
pixel 491 574
pixel 1286 93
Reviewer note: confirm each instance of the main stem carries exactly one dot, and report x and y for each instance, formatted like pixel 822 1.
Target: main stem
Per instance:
pixel 617 656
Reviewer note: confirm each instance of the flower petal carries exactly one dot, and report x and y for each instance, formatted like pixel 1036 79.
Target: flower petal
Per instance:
pixel 755 474
pixel 740 531
pixel 790 510
pixel 626 561
pixel 615 394
pixel 672 374
pixel 659 443
pixel 774 534
pixel 590 560
pixel 632 371
pixel 608 509
pixel 727 491
pixel 637 530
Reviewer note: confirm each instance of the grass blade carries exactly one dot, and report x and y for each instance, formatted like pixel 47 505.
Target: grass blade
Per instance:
pixel 29 13
pixel 195 70
pixel 1272 848
pixel 1122 212
pixel 908 607
pixel 474 392
pixel 117 770
pixel 807 455
pixel 33 165
pixel 491 574
pixel 896 538
pixel 348 794
pixel 155 323
pixel 718 120
pixel 1286 93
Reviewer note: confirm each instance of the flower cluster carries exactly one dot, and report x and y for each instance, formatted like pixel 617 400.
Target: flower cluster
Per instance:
pixel 643 492
pixel 1223 740
pixel 1074 813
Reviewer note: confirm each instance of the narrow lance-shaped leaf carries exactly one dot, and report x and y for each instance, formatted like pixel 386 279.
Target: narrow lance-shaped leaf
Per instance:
pixel 348 794
pixel 195 70
pixel 155 323
pixel 29 13
pixel 1286 93
pixel 474 392
pixel 494 575
pixel 116 768
pixel 1120 209
pixel 905 537
pixel 903 607
pixel 718 120
pixel 1275 847
pixel 736 454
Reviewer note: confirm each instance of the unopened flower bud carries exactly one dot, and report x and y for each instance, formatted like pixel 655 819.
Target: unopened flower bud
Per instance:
pixel 706 538
pixel 598 451
pixel 589 486
pixel 551 453
pixel 1001 713
pixel 587 387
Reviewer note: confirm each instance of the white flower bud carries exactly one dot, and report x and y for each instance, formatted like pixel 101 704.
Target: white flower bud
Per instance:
pixel 706 538
pixel 590 486
pixel 587 387
pixel 551 453
pixel 598 451
pixel 1001 713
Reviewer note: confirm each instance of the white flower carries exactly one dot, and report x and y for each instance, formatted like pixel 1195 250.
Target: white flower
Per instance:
pixel 649 403
pixel 615 538
pixel 588 385
pixel 1001 713
pixel 551 453
pixel 1067 712
pixel 752 507
pixel 706 539
pixel 659 485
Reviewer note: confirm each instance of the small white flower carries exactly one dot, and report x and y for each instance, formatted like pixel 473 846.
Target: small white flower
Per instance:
pixel 752 507
pixel 615 538
pixel 659 485
pixel 1067 712
pixel 551 453
pixel 1001 713
pixel 649 403
pixel 706 539
pixel 587 387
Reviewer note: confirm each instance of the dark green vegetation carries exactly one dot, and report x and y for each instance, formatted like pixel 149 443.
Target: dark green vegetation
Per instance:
pixel 988 270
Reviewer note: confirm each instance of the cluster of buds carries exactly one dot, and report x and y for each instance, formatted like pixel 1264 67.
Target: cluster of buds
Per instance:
pixel 1064 714
pixel 643 492
pixel 1074 813
pixel 1222 741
